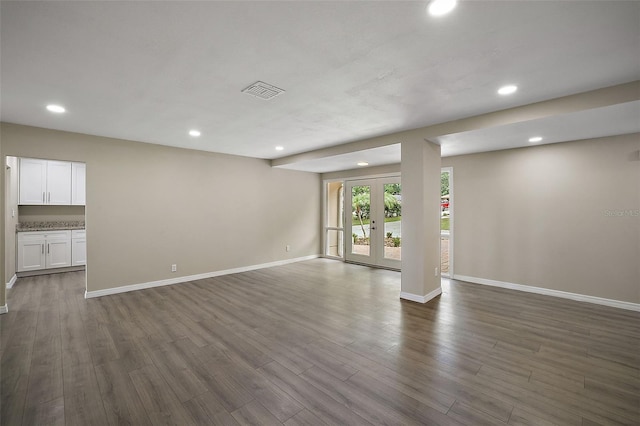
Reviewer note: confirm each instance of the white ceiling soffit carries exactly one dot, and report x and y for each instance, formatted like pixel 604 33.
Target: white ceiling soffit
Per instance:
pixel 381 156
pixel 150 71
pixel 593 123
pixel 613 120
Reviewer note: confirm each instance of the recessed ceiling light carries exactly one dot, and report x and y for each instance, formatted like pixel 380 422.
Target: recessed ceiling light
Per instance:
pixel 535 139
pixel 56 108
pixel 279 148
pixel 441 7
pixel 507 90
pixel 362 163
pixel 194 133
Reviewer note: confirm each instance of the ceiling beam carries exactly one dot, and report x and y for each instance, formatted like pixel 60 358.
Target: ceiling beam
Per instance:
pixel 598 98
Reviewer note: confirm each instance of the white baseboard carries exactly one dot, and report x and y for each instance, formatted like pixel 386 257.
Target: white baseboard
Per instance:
pixel 421 299
pixel 171 281
pixel 12 281
pixel 549 292
pixel 4 309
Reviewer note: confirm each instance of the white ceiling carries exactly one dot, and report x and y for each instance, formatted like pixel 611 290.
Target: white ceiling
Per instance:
pixel 389 154
pixel 150 71
pixel 593 123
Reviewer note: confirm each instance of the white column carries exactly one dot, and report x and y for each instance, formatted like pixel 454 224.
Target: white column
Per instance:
pixel 420 220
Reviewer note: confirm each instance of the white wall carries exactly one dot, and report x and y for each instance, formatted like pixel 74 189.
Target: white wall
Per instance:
pixel 11 199
pixel 542 216
pixel 2 228
pixel 151 206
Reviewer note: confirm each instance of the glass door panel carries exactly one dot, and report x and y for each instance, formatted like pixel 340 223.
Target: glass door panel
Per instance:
pixel 392 221
pixel 375 222
pixel 360 221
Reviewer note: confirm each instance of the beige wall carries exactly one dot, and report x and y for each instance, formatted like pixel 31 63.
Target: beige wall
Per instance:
pixel 51 213
pixel 541 216
pixel 11 199
pixel 150 206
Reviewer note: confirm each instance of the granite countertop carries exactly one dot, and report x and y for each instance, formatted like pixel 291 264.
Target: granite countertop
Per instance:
pixel 48 226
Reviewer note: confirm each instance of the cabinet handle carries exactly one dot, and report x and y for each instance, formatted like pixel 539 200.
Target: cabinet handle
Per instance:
pixel 43 199
pixel 43 249
pixel 48 248
pixel 49 198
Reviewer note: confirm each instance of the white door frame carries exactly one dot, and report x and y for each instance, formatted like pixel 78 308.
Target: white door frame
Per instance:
pixel 451 219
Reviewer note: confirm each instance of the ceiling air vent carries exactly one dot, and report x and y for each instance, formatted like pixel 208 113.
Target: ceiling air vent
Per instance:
pixel 262 90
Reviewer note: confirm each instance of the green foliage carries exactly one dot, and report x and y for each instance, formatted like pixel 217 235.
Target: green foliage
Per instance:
pixel 444 223
pixel 355 238
pixel 396 241
pixel 393 188
pixel 390 202
pixel 444 183
pixel 361 201
pixel 389 234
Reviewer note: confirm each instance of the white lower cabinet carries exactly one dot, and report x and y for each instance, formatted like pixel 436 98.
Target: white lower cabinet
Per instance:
pixel 31 253
pixel 43 250
pixel 78 247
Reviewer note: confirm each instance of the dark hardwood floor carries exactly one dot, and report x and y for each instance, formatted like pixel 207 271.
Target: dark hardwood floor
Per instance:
pixel 317 342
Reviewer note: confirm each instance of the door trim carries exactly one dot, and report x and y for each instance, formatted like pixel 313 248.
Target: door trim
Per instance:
pixel 452 195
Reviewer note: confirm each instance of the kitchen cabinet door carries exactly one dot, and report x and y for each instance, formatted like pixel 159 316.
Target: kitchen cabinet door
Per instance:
pixel 31 255
pixel 58 252
pixel 33 181
pixel 59 183
pixel 78 251
pixel 43 250
pixel 78 179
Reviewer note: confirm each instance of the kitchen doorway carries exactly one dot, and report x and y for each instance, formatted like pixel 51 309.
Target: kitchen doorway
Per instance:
pixel 45 231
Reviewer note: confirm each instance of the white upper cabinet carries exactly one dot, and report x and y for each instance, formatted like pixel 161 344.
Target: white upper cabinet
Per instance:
pixel 33 181
pixel 59 183
pixel 78 179
pixel 46 182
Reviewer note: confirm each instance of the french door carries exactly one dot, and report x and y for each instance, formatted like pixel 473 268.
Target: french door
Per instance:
pixel 373 222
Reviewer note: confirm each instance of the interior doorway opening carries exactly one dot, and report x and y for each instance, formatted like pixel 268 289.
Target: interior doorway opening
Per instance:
pixel 44 218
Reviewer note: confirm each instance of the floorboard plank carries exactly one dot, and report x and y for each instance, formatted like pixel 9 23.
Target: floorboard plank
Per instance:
pixel 314 343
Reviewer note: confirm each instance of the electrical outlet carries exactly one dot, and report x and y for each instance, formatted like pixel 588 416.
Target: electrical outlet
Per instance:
pixel 435 272
pixel 174 268
pixel 287 247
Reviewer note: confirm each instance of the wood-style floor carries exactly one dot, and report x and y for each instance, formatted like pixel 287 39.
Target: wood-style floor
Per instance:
pixel 318 342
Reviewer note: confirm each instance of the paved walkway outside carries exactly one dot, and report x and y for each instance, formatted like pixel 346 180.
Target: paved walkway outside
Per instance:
pixel 396 253
pixel 394 227
pixel 444 255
